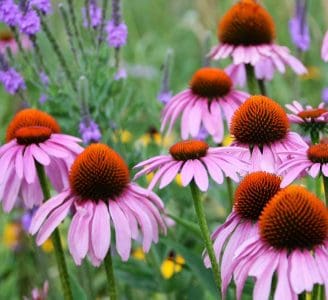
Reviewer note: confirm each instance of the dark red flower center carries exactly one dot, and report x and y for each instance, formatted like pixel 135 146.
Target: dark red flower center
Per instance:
pixel 312 113
pixel 191 149
pixel 294 219
pixel 99 173
pixel 318 153
pixel 210 83
pixel 6 36
pixel 31 126
pixel 254 192
pixel 246 23
pixel 259 121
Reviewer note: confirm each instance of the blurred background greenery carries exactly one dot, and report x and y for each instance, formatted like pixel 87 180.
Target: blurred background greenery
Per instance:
pixel 125 111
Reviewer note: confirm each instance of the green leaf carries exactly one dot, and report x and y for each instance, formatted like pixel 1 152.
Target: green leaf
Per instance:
pixel 78 292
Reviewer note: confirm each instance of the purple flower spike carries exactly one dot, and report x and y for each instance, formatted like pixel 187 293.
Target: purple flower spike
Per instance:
pixel 117 34
pixel 30 23
pixel 95 15
pixel 42 5
pixel 298 27
pixel 164 96
pixel 324 95
pixel 9 12
pixel 89 131
pixel 12 81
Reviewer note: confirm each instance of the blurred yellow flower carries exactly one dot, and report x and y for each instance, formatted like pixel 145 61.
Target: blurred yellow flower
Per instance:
pixel 138 254
pixel 313 73
pixel 153 136
pixel 12 235
pixel 178 180
pixel 47 246
pixel 171 265
pixel 123 136
pixel 149 177
pixel 228 139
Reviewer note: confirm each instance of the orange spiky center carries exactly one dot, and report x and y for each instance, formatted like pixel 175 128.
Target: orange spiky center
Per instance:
pixel 259 121
pixel 294 219
pixel 254 192
pixel 99 173
pixel 246 23
pixel 318 153
pixel 191 149
pixel 31 126
pixel 210 83
pixel 312 113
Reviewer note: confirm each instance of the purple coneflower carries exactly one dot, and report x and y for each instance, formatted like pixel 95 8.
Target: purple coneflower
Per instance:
pixel 307 160
pixel 291 243
pixel 261 125
pixel 324 49
pixel 33 138
pixel 100 194
pixel 246 33
pixel 194 160
pixel 251 196
pixel 211 94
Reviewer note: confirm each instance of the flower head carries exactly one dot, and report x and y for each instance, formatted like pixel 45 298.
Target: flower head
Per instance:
pixel 116 34
pixel 89 131
pixel 33 138
pixel 311 160
pixel 291 242
pixel 9 12
pixel 324 49
pixel 251 196
pixel 95 15
pixel 261 125
pixel 42 5
pixel 194 160
pixel 211 92
pixel 100 193
pixel 298 27
pixel 29 23
pixel 12 80
pixel 246 33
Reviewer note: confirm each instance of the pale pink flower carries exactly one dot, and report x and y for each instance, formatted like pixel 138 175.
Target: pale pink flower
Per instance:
pixel 101 197
pixel 194 160
pixel 34 138
pixel 307 114
pixel 210 98
pixel 261 125
pixel 246 34
pixel 7 40
pixel 324 49
pixel 292 244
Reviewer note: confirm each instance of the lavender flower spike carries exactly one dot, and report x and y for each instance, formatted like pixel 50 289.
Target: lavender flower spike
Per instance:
pixel 43 5
pixel 95 15
pixel 30 23
pixel 298 27
pixel 12 81
pixel 9 12
pixel 89 131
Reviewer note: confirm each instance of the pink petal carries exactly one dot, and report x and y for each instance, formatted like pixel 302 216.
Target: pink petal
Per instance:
pixel 187 172
pixel 170 174
pixel 41 156
pixel 29 166
pixel 200 175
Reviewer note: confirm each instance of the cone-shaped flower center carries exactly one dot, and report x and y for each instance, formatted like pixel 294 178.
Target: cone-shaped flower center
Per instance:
pixel 31 126
pixel 191 149
pixel 294 218
pixel 259 121
pixel 246 23
pixel 254 192
pixel 6 36
pixel 210 83
pixel 99 173
pixel 312 113
pixel 318 153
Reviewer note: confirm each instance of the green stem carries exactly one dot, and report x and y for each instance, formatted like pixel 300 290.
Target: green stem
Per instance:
pixel 205 232
pixel 315 137
pixel 251 81
pixel 108 263
pixel 59 253
pixel 230 193
pixel 261 84
pixel 325 186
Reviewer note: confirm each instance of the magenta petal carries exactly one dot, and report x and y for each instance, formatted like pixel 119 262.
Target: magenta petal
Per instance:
pixel 71 243
pixel 29 166
pixel 100 234
pixel 200 175
pixel 187 172
pixel 11 192
pixel 131 218
pixel 170 174
pixel 122 230
pixel 41 156
pixel 55 218
pixel 19 164
pixel 6 160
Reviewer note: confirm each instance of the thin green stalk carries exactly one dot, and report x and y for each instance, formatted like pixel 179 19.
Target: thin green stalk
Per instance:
pixel 261 84
pixel 58 52
pixel 251 81
pixel 59 252
pixel 325 186
pixel 199 209
pixel 108 263
pixel 230 193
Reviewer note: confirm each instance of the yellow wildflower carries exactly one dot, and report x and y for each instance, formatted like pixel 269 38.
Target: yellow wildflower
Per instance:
pixel 47 246
pixel 11 235
pixel 123 136
pixel 171 265
pixel 138 254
